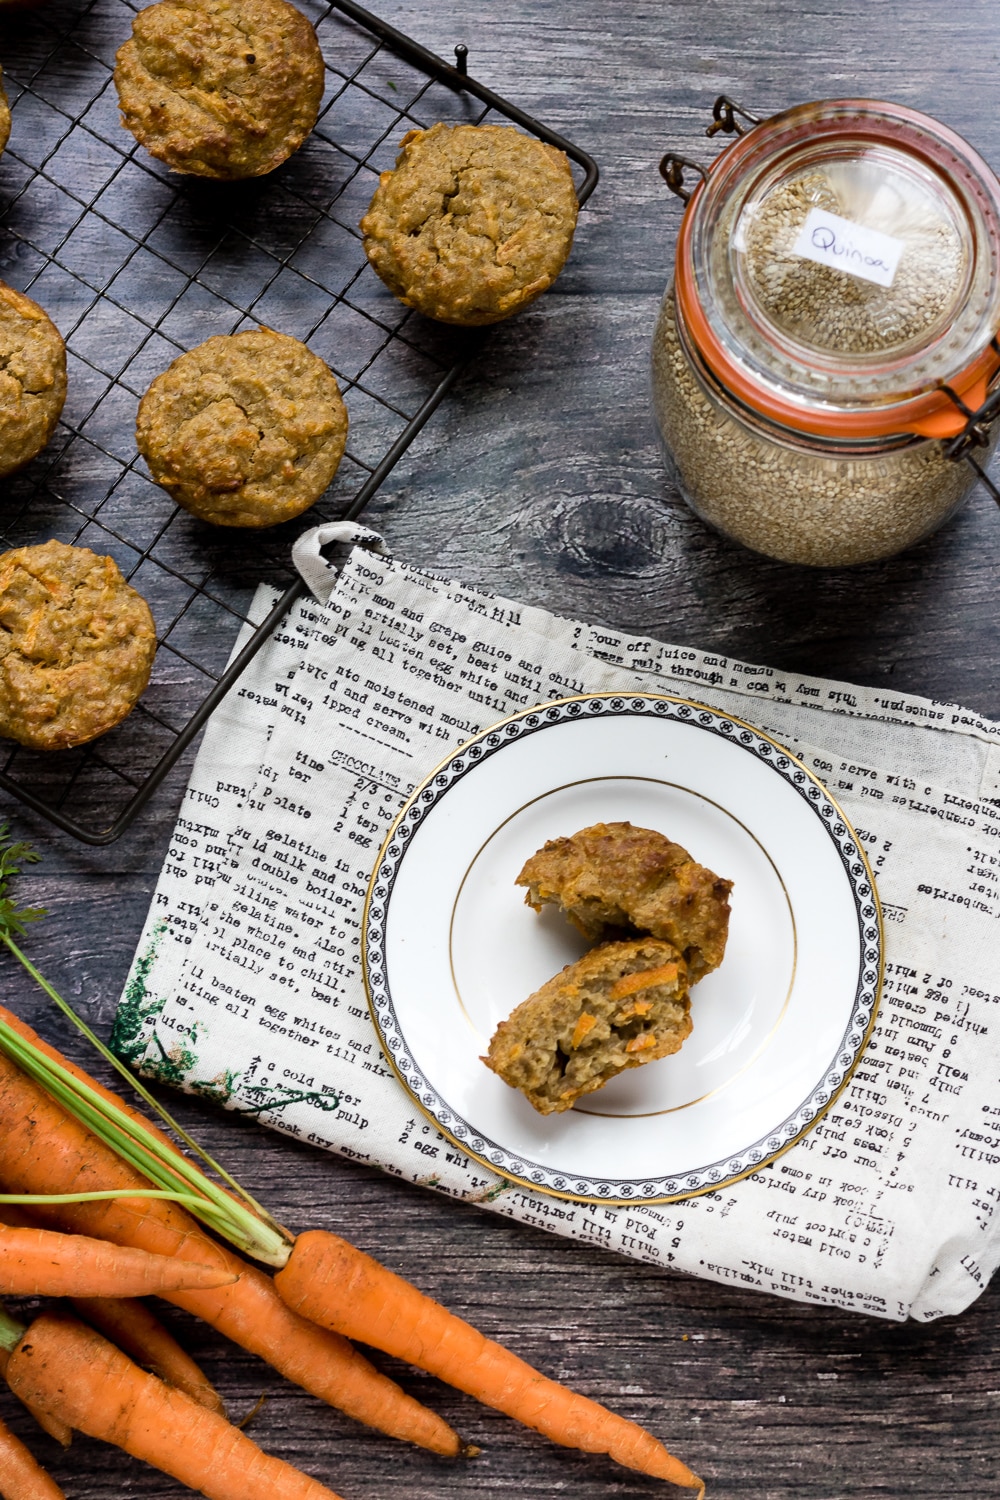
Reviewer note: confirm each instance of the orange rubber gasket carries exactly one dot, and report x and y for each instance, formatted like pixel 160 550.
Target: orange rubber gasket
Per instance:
pixel 932 414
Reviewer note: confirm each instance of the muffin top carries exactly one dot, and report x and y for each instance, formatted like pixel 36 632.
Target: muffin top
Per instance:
pixel 473 223
pixel 32 378
pixel 613 877
pixel 76 645
pixel 220 88
pixel 245 430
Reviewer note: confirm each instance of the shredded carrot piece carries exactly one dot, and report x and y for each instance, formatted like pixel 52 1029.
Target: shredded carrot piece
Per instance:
pixel 637 1008
pixel 583 1028
pixel 642 1042
pixel 630 984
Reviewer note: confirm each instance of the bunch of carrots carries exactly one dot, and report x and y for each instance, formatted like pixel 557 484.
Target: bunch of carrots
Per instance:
pixel 82 1172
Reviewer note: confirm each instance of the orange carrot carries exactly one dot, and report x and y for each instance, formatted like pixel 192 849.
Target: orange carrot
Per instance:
pixel 24 1030
pixel 21 1477
pixel 44 1263
pixel 70 1370
pixel 17 1217
pixel 44 1150
pixel 130 1324
pixel 55 1429
pixel 327 1280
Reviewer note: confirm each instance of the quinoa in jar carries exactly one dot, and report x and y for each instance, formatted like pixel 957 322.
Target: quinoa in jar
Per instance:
pixel 831 326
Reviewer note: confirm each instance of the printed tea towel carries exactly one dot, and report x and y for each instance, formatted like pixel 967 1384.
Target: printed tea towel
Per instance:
pixel 246 987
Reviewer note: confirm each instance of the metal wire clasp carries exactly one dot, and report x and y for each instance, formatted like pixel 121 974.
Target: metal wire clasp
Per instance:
pixel 724 112
pixel 672 171
pixel 976 432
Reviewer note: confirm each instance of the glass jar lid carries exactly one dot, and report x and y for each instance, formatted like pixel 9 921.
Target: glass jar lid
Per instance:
pixel 840 266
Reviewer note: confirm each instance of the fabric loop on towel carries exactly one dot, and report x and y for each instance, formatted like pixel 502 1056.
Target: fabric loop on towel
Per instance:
pixel 307 555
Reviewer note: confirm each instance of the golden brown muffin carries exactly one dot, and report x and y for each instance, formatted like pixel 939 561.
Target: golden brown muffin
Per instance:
pixel 245 430
pixel 613 878
pixel 76 645
pixel 619 1006
pixel 32 378
pixel 474 222
pixel 220 88
pixel 4 114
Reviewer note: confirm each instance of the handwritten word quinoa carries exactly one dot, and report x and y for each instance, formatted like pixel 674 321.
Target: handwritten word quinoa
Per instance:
pixel 832 309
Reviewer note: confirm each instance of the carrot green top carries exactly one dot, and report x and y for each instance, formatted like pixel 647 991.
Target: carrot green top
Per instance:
pixel 239 1219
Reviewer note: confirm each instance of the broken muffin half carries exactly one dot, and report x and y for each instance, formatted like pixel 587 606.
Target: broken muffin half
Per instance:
pixel 622 1004
pixel 614 880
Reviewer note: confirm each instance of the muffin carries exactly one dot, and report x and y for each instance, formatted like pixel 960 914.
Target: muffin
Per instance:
pixel 474 222
pixel 4 114
pixel 220 88
pixel 619 1006
pixel 76 645
pixel 612 879
pixel 245 430
pixel 32 378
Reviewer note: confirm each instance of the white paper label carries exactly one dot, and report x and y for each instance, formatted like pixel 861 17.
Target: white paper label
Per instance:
pixel 832 241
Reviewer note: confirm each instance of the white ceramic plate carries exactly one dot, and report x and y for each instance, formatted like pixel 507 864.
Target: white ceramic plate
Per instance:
pixel 450 946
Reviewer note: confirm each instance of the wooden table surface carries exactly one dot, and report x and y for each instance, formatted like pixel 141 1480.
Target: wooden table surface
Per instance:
pixel 541 477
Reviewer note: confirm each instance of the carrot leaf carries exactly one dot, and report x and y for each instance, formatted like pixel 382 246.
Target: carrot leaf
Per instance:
pixel 246 1224
pixel 120 1067
pixel 148 1154
pixel 13 918
pixel 27 1199
pixel 12 924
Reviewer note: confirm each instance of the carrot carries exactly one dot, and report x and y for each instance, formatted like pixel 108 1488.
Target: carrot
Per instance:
pixel 17 1217
pixel 25 1031
pixel 130 1324
pixel 44 1150
pixel 44 1263
pixel 21 1477
pixel 327 1280
pixel 70 1370
pixel 58 1430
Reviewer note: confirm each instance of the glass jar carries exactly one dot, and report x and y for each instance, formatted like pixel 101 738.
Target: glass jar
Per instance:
pixel 830 332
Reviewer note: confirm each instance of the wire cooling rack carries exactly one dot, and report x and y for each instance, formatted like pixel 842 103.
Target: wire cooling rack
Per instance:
pixel 135 264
